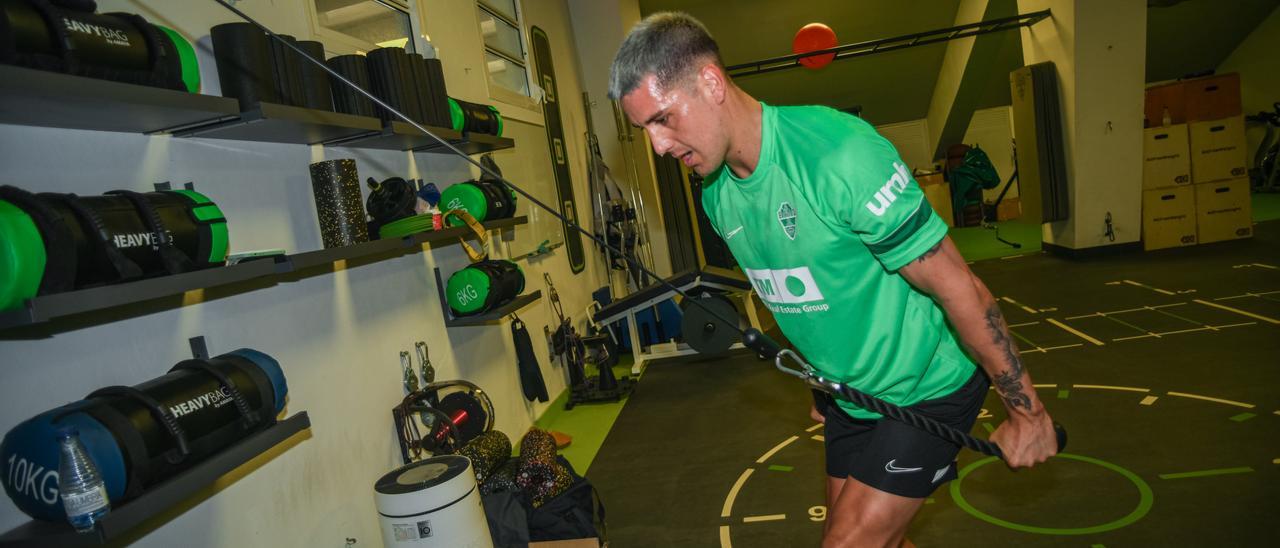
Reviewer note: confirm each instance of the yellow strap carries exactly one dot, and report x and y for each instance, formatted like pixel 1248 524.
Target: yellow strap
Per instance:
pixel 478 229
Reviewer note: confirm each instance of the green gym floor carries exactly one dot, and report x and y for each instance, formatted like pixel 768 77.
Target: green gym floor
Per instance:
pixel 1161 365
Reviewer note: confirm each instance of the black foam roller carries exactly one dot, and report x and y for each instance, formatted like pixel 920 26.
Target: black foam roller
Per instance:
pixel 339 207
pixel 422 90
pixel 439 95
pixel 315 81
pixel 245 67
pixel 382 79
pixel 345 99
pixel 288 71
pixel 411 107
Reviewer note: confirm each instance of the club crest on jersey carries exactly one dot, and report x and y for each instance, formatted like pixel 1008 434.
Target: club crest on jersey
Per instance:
pixel 787 218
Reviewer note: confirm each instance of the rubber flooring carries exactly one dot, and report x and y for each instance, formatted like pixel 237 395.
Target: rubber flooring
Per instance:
pixel 1163 367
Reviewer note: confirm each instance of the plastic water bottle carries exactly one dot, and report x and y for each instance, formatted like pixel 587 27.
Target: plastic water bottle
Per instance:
pixel 84 495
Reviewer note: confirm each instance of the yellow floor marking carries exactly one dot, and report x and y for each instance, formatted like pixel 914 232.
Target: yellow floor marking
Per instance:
pixel 818 437
pixel 1241 312
pixel 1156 289
pixel 1148 400
pixel 814 427
pixel 733 493
pixel 1075 332
pixel 724 537
pixel 1020 305
pixel 1044 386
pixel 1105 387
pixel 1215 400
pixel 775 449
pixel 772 517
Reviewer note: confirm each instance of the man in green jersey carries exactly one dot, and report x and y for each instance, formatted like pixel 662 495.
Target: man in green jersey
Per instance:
pixel 840 244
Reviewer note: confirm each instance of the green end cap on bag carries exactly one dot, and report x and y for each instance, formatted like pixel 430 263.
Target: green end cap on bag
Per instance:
pixel 22 257
pixel 456 117
pixel 467 290
pixel 467 197
pixel 187 56
pixel 208 213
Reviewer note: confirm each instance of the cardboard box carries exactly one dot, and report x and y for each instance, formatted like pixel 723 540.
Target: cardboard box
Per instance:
pixel 1009 208
pixel 1212 98
pixel 938 192
pixel 1223 211
pixel 1168 217
pixel 1166 157
pixel 1167 97
pixel 1218 150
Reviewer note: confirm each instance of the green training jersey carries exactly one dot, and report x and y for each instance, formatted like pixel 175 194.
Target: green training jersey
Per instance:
pixel 821 228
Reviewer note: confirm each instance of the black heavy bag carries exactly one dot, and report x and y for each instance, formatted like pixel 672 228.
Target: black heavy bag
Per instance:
pixel 139 436
pixel 474 117
pixel 483 286
pixel 575 513
pixel 72 242
pixel 246 68
pixel 345 99
pixel 68 37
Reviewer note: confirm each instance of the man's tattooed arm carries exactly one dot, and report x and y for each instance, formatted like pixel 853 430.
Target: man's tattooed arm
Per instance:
pixel 1009 381
pixel 931 252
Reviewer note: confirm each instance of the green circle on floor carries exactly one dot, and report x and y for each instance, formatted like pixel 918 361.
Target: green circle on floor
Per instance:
pixel 1145 500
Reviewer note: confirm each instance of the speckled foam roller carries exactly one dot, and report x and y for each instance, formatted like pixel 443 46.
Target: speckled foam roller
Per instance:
pixel 339 206
pixel 487 452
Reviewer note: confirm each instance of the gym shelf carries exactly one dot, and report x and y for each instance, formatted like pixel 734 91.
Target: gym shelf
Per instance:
pixel 487 318
pixel 401 136
pixel 273 123
pixel 408 244
pixel 48 307
pixel 40 98
pixel 117 524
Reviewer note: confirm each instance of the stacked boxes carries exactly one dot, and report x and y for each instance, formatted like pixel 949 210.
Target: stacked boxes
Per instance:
pixel 1195 181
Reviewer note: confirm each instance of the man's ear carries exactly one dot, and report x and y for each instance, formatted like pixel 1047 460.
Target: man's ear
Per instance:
pixel 713 82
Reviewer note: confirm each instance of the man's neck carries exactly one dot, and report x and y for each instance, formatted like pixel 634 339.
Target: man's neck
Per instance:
pixel 745 119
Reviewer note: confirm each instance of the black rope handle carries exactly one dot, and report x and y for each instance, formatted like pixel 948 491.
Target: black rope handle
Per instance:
pixel 158 411
pixel 766 347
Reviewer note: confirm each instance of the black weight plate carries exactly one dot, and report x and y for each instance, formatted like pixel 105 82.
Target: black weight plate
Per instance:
pixel 703 330
pixel 474 423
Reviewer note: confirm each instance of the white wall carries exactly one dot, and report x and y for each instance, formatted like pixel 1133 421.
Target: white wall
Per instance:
pixel 1255 60
pixel 911 138
pixel 951 73
pixel 1099 49
pixel 336 335
pixel 991 129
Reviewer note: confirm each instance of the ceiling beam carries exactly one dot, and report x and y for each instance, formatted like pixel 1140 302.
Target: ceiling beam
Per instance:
pixel 895 43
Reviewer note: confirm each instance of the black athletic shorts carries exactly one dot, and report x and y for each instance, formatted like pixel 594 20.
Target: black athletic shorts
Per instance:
pixel 893 456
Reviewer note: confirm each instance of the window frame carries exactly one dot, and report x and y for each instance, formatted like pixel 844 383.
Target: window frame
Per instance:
pixel 497 91
pixel 332 38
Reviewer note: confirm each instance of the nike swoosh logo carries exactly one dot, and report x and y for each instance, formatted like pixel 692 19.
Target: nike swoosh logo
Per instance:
pixel 733 233
pixel 889 467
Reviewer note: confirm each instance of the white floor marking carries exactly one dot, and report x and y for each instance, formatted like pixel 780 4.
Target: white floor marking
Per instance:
pixel 1061 347
pixel 1156 289
pixel 724 537
pixel 1022 324
pixel 1075 332
pixel 1267 266
pixel 1275 461
pixel 773 517
pixel 1192 330
pixel 1241 312
pixel 818 437
pixel 1106 387
pixel 1054 309
pixel 1044 386
pixel 1019 305
pixel 1007 257
pixel 1148 400
pixel 1217 400
pixel 733 493
pixel 814 427
pixel 1147 336
pixel 775 449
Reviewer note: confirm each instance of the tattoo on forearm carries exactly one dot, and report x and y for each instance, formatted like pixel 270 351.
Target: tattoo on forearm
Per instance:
pixel 1009 381
pixel 931 252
